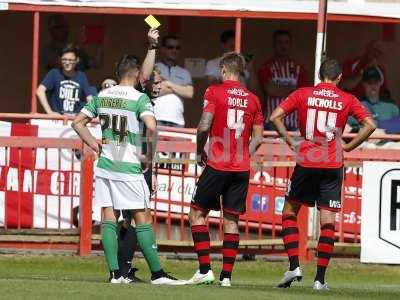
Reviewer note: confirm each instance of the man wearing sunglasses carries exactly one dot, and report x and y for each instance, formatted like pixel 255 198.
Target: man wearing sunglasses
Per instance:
pixel 176 86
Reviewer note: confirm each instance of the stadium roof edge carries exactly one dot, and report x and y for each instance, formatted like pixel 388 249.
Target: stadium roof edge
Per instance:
pixel 351 10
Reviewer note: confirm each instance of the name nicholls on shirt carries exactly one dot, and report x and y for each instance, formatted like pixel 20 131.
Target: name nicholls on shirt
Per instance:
pixel 317 101
pixel 235 101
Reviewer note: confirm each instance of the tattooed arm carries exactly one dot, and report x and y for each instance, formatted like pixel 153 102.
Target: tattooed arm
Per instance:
pixel 203 129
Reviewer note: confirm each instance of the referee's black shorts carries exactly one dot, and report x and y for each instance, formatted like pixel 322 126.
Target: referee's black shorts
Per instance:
pixel 320 186
pixel 213 184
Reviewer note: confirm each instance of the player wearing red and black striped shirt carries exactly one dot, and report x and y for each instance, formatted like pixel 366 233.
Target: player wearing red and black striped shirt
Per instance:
pixel 279 76
pixel 233 121
pixel 318 175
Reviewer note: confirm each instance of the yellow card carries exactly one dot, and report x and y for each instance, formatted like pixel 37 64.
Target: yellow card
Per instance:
pixel 152 22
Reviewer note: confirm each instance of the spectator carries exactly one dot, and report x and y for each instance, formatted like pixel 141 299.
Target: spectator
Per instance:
pixel 381 111
pixel 176 86
pixel 68 88
pixel 279 76
pixel 212 73
pixel 59 33
pixel 353 70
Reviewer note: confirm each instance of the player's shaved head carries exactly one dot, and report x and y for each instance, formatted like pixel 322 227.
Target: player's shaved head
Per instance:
pixel 233 63
pixel 330 70
pixel 128 66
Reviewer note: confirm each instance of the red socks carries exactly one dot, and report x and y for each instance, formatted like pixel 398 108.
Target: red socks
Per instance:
pixel 229 252
pixel 290 233
pixel 201 239
pixel 325 248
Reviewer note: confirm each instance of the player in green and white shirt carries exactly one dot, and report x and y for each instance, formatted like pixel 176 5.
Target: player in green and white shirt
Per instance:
pixel 119 109
pixel 120 184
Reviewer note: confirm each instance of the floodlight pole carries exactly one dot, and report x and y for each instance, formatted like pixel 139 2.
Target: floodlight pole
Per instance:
pixel 320 48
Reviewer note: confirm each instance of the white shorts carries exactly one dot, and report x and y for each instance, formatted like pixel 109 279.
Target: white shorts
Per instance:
pixel 121 194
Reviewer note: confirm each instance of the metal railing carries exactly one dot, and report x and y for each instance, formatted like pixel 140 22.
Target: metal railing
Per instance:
pixel 260 226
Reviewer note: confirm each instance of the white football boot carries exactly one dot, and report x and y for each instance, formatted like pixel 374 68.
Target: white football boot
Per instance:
pixel 166 279
pixel 226 282
pixel 115 277
pixel 320 286
pixel 199 278
pixel 289 277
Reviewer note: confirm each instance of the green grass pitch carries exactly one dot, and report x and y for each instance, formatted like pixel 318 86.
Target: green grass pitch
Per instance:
pixel 71 277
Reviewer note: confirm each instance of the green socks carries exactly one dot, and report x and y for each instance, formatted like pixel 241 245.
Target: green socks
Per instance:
pixel 146 241
pixel 145 237
pixel 110 244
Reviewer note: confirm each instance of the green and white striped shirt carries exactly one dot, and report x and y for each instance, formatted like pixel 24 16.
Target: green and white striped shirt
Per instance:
pixel 119 109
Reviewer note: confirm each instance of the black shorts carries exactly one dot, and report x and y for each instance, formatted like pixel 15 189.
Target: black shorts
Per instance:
pixel 310 186
pixel 213 184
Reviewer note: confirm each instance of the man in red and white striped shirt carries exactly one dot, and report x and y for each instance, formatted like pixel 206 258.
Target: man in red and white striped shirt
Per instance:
pixel 279 76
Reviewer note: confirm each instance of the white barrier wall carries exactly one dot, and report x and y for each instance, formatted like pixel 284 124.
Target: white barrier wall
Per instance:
pixel 380 212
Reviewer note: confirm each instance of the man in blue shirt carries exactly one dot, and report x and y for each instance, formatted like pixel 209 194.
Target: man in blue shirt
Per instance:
pixel 67 88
